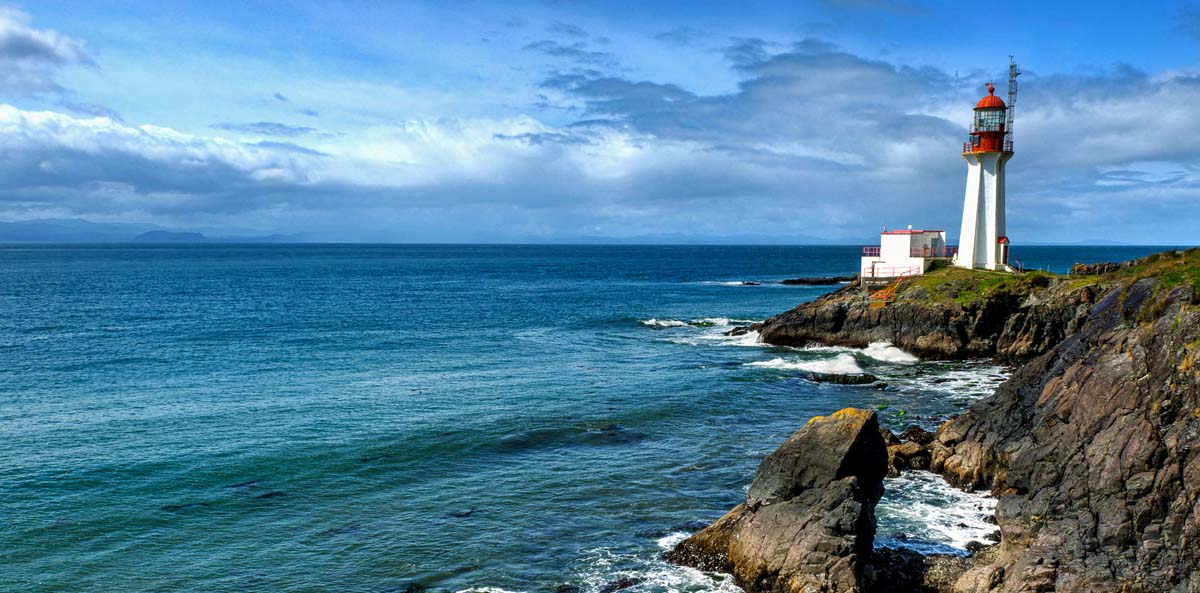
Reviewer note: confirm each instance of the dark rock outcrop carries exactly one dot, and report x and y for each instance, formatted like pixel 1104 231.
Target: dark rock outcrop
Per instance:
pixel 851 379
pixel 1094 451
pixel 819 281
pixel 1011 323
pixel 951 313
pixel 808 523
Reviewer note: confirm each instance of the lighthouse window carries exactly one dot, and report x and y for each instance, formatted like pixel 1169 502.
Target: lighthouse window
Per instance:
pixel 989 120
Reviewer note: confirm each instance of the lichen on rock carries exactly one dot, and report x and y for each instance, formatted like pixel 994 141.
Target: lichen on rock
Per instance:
pixel 808 523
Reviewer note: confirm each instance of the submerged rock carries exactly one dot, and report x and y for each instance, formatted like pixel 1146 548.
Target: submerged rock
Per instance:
pixel 808 522
pixel 819 281
pixel 850 379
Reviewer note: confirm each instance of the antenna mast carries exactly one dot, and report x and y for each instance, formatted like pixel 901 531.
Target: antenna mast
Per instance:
pixel 1013 72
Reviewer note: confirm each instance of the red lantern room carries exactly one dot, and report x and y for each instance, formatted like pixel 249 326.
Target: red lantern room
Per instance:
pixel 987 134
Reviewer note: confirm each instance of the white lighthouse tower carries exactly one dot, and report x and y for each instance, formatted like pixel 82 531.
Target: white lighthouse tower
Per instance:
pixel 983 242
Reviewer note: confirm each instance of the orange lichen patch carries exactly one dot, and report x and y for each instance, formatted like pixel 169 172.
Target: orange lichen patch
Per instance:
pixel 852 414
pixel 844 415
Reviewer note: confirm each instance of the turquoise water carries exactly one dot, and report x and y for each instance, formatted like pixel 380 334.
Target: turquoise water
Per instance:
pixel 389 418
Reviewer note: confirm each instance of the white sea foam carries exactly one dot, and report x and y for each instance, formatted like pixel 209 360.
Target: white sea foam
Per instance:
pixel 727 283
pixel 649 574
pixel 886 352
pixel 968 381
pixel 699 322
pixel 842 364
pixel 669 541
pixel 663 323
pixel 747 339
pixel 719 321
pixel 881 351
pixel 920 511
pixel 706 331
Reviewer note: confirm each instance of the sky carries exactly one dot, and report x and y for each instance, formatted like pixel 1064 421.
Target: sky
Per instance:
pixel 557 121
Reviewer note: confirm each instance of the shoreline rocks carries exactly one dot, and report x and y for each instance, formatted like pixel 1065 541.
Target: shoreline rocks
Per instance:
pixel 1092 446
pixel 820 281
pixel 1009 323
pixel 808 522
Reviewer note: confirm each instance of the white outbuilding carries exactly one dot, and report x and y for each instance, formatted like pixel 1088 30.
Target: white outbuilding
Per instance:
pixel 902 253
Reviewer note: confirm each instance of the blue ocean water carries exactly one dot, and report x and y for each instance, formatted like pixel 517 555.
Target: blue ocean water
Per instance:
pixel 300 418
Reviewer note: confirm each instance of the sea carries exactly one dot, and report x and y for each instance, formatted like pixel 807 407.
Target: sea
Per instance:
pixel 406 418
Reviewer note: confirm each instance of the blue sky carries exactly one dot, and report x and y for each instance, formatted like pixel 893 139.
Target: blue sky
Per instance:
pixel 562 121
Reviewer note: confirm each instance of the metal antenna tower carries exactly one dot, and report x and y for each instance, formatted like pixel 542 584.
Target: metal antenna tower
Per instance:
pixel 1013 72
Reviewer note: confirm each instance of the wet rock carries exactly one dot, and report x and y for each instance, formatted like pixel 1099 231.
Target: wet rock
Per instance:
pixel 855 379
pixel 619 584
pixel 808 522
pixel 905 571
pixel 908 455
pixel 819 281
pixel 917 434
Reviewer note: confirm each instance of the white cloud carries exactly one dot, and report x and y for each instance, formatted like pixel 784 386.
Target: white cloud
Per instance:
pixel 814 142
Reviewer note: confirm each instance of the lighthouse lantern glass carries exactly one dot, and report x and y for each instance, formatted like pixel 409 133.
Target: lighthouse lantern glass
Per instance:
pixel 989 120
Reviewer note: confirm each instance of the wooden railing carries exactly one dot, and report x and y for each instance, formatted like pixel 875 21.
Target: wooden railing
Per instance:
pixel 880 298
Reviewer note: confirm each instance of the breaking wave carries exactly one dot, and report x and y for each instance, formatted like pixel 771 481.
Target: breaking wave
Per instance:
pixel 842 364
pixel 880 351
pixel 602 568
pixel 923 513
pixel 663 323
pixel 886 352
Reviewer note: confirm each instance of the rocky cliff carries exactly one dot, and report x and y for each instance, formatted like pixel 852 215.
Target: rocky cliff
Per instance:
pixel 948 313
pixel 1092 446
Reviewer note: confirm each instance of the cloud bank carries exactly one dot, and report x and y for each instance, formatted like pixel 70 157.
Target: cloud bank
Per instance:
pixel 814 142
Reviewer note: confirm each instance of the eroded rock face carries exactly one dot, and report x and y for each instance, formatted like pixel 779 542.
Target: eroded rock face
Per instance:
pixel 1011 326
pixel 1094 451
pixel 808 523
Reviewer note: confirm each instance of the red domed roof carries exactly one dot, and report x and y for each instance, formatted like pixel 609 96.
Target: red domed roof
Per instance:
pixel 991 101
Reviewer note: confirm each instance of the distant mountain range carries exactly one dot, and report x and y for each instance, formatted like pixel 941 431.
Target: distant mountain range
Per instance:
pixel 72 230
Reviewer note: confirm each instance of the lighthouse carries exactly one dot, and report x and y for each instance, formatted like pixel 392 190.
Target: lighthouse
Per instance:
pixel 983 243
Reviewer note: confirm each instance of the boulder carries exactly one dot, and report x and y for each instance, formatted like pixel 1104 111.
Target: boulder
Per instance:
pixel 808 523
pixel 909 455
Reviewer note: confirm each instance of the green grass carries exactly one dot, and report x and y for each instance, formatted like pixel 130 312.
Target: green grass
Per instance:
pixel 944 283
pixel 949 283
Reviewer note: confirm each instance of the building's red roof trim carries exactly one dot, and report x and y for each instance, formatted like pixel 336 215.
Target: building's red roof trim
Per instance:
pixel 911 232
